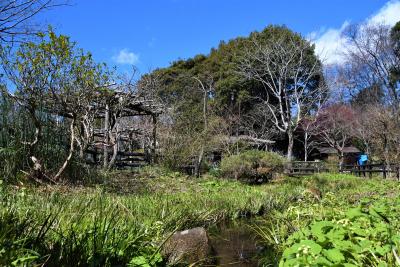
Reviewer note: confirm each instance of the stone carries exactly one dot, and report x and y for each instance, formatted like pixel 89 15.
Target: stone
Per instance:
pixel 190 246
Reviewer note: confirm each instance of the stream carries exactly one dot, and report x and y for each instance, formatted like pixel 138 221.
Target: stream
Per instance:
pixel 235 244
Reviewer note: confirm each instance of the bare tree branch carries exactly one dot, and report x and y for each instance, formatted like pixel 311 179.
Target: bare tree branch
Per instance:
pixel 16 18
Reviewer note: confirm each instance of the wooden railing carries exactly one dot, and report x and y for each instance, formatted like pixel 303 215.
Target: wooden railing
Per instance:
pixel 300 168
pixel 386 170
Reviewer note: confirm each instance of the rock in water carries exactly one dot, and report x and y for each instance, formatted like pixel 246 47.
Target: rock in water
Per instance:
pixel 188 247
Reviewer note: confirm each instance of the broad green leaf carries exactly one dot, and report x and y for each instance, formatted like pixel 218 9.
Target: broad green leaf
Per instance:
pixel 354 213
pixel 314 247
pixel 334 255
pixel 382 250
pixel 139 261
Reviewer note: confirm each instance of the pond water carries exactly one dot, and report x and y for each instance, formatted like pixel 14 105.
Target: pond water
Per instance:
pixel 236 244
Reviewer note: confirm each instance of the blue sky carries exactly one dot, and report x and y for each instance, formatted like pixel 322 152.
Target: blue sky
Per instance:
pixel 152 33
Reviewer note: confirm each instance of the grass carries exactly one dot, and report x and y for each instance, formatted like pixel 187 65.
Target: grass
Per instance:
pixel 125 221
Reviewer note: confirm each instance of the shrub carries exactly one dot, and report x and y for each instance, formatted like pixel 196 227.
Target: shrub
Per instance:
pixel 252 166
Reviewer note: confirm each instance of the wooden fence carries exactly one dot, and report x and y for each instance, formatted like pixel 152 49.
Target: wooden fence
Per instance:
pixel 301 168
pixel 386 170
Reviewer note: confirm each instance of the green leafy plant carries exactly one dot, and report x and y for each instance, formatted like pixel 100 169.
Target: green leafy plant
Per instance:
pixel 363 236
pixel 143 261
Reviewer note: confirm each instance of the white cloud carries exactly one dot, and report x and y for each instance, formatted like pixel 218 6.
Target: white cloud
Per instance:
pixel 389 14
pixel 124 56
pixel 330 44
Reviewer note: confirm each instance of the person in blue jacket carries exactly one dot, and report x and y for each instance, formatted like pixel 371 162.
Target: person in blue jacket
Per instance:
pixel 362 161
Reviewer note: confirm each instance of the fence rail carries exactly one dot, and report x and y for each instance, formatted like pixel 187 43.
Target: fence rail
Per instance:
pixel 300 168
pixel 368 169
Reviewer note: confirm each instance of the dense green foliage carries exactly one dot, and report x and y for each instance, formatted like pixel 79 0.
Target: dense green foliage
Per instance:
pixel 106 226
pixel 335 211
pixel 366 235
pixel 252 166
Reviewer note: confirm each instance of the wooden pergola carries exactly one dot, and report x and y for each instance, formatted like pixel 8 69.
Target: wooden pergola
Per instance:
pixel 106 111
pixel 129 106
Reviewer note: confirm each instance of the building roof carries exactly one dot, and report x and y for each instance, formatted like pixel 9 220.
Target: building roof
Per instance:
pixel 330 150
pixel 249 139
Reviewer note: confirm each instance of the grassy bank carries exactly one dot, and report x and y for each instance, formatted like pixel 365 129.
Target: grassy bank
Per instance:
pixel 124 221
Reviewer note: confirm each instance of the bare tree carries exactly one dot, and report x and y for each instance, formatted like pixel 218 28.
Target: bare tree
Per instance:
pixel 370 59
pixel 16 17
pixel 207 88
pixel 363 128
pixel 309 127
pixel 335 127
pixel 291 76
pixel 309 131
pixel 380 130
pixel 257 126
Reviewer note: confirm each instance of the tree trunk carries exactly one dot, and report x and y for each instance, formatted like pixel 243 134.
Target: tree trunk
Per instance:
pixel 115 151
pixel 37 166
pixel 199 161
pixel 205 130
pixel 290 146
pixel 237 131
pixel 153 149
pixel 305 147
pixel 106 137
pixel 70 153
pixel 386 152
pixel 341 158
pixel 288 167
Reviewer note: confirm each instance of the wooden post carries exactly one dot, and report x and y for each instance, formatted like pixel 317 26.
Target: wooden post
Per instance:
pixel 106 136
pixel 95 157
pixel 153 149
pixel 384 171
pixel 370 171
